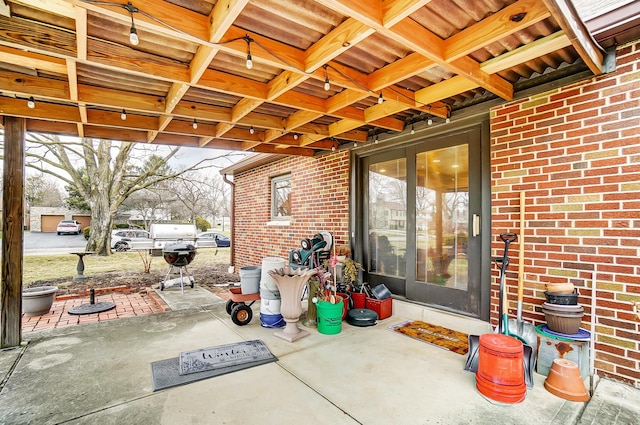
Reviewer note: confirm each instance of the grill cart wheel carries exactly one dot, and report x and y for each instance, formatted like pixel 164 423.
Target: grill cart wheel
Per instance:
pixel 241 314
pixel 230 305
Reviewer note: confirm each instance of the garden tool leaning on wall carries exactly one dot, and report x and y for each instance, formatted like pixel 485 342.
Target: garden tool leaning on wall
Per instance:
pixel 474 340
pixel 503 319
pixel 524 331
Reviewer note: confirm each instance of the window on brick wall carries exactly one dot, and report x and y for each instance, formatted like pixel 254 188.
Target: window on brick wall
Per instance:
pixel 281 197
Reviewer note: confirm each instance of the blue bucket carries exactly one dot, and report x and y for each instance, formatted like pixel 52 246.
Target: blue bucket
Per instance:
pixel 271 320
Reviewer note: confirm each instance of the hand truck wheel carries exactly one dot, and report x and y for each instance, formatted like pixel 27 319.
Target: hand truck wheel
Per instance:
pixel 230 305
pixel 241 314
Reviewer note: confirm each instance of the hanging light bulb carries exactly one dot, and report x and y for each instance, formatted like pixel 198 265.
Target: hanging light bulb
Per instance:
pixel 251 130
pixel 195 124
pixel 447 120
pixel 430 121
pixel 333 148
pixel 123 115
pixel 375 140
pixel 133 36
pixel 413 131
pixel 327 85
pixel 295 136
pixel 133 33
pixel 31 103
pixel 249 61
pixel 380 98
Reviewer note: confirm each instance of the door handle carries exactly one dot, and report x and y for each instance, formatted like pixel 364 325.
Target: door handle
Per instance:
pixel 476 225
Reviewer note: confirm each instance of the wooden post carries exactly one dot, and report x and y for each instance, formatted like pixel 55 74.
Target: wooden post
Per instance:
pixel 12 232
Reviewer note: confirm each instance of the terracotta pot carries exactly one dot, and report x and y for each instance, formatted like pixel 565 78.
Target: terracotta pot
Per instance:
pixel 560 288
pixel 564 380
pixel 37 301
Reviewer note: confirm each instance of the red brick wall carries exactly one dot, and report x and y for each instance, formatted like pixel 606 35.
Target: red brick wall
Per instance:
pixel 319 201
pixel 575 152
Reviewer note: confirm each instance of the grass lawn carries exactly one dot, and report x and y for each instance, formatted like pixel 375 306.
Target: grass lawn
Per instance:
pixel 43 267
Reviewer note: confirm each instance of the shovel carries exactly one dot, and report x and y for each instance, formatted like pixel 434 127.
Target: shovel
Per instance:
pixel 524 331
pixel 474 340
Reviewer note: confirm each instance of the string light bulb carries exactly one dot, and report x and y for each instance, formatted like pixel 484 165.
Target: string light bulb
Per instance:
pixel 249 60
pixel 447 120
pixel 123 115
pixel 380 98
pixel 252 130
pixel 133 36
pixel 413 131
pixel 31 103
pixel 133 32
pixel 295 136
pixel 327 85
pixel 375 140
pixel 195 124
pixel 430 121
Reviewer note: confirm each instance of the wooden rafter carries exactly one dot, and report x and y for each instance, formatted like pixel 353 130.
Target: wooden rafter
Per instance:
pixel 56 62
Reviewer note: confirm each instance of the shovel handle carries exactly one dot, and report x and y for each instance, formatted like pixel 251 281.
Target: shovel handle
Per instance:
pixel 508 237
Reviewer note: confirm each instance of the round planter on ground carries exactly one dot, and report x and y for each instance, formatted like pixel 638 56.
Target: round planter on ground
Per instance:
pixel 37 301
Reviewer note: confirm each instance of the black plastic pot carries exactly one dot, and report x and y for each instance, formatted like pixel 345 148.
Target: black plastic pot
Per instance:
pixel 563 299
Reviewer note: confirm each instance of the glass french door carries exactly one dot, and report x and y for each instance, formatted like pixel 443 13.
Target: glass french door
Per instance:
pixel 422 209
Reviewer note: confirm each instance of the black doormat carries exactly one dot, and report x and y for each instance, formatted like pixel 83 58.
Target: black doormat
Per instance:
pixel 166 373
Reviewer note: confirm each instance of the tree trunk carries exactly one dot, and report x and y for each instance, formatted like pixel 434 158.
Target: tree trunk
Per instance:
pixel 101 225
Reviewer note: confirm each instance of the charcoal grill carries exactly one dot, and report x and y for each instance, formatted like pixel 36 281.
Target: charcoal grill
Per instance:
pixel 179 255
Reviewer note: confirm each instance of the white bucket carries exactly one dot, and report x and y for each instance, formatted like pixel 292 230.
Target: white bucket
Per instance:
pixel 266 294
pixel 269 306
pixel 270 263
pixel 250 279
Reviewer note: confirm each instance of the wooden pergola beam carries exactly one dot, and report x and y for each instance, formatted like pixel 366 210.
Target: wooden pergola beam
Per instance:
pixel 12 222
pixel 568 19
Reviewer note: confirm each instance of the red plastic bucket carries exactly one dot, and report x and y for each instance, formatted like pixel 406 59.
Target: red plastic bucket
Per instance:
pixel 345 302
pixel 358 299
pixel 500 374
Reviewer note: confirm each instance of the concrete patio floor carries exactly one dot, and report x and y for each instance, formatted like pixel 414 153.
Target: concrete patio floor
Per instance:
pixel 99 373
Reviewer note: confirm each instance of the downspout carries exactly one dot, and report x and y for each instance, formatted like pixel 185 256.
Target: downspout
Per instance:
pixel 232 220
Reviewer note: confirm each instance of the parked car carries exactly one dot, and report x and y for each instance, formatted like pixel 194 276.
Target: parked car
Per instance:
pixel 221 240
pixel 69 226
pixel 121 239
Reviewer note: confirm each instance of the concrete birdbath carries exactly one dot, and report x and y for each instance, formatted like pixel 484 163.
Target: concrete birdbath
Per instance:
pixel 291 283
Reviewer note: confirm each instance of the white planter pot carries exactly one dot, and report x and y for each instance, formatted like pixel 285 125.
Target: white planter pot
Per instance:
pixel 37 301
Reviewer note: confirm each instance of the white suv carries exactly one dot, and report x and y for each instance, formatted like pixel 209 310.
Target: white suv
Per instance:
pixel 69 226
pixel 121 238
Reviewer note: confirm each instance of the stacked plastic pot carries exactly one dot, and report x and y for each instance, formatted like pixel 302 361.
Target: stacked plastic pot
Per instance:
pixel 561 310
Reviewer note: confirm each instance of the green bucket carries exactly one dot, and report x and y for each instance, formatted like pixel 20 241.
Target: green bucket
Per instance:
pixel 329 317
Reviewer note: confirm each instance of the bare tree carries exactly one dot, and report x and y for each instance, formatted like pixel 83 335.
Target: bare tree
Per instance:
pixel 41 190
pixel 199 194
pixel 149 204
pixel 104 172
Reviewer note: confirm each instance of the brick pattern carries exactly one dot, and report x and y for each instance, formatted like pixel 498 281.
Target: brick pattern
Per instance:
pixel 575 152
pixel 319 201
pixel 127 305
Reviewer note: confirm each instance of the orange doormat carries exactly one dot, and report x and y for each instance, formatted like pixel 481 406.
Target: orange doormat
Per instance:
pixel 448 339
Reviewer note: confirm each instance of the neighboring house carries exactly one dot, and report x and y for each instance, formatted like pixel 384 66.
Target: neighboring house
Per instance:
pixel 45 219
pixel 572 148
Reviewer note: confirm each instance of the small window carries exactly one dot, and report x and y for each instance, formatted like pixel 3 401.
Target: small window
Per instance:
pixel 281 197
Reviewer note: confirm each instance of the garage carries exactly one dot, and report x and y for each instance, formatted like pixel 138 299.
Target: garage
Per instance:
pixel 85 220
pixel 50 222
